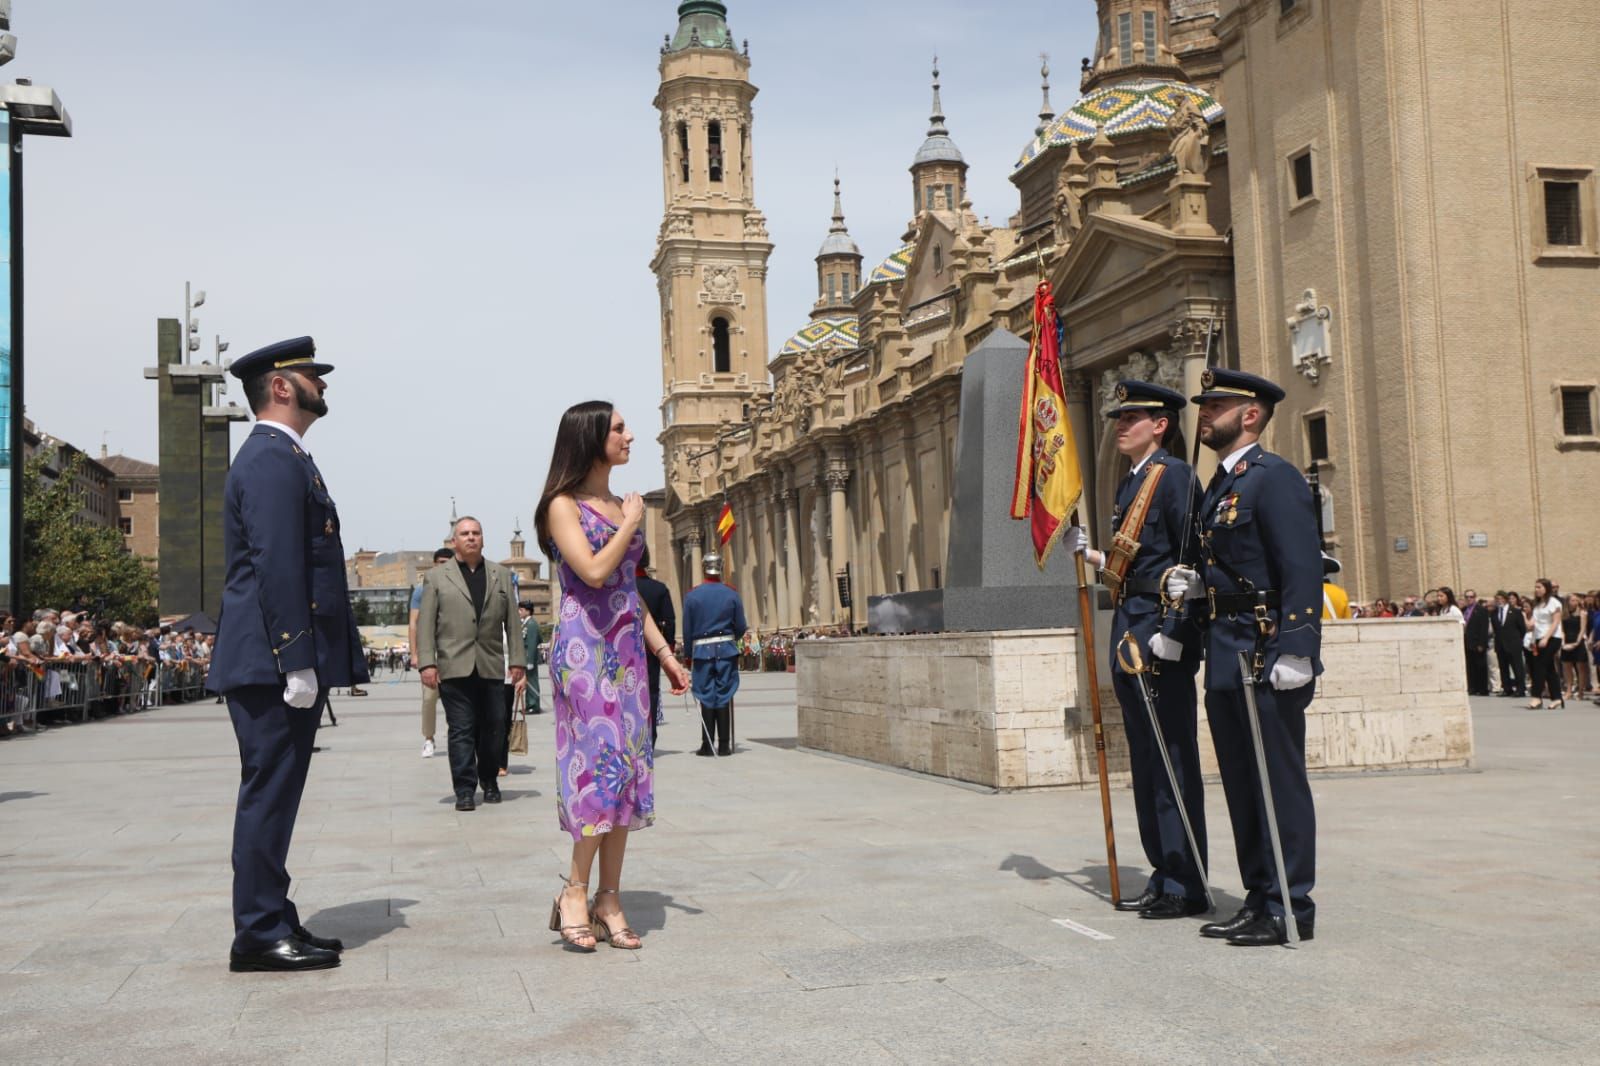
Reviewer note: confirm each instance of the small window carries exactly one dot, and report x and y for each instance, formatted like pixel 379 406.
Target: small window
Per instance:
pixel 126 526
pixel 937 579
pixel 683 150
pixel 721 356
pixel 1577 411
pixel 1563 217
pixel 1305 186
pixel 849 285
pixel 1317 438
pixel 1125 37
pixel 1149 36
pixel 832 290
pixel 124 495
pixel 938 259
pixel 950 197
pixel 1287 6
pixel 714 149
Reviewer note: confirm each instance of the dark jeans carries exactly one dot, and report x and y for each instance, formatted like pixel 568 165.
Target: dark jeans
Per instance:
pixel 1546 670
pixel 475 711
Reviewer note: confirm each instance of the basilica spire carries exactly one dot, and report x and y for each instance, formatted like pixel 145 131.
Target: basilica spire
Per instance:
pixel 838 263
pixel 701 24
pixel 1047 113
pixel 938 173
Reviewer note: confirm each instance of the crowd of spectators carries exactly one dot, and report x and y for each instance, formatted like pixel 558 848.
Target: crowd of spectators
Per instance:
pixel 61 661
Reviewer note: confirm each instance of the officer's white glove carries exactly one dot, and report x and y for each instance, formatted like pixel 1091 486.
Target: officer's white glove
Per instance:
pixel 1184 584
pixel 1076 539
pixel 1291 672
pixel 300 688
pixel 1165 647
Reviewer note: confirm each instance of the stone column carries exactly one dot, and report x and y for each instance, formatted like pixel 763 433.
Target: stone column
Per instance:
pixel 1190 338
pixel 772 586
pixel 695 539
pixel 789 502
pixel 1082 414
pixel 837 477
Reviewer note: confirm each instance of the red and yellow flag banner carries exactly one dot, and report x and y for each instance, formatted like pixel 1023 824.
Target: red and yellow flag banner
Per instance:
pixel 725 524
pixel 1049 482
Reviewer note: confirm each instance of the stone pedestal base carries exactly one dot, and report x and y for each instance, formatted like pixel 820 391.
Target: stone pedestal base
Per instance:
pixel 1002 709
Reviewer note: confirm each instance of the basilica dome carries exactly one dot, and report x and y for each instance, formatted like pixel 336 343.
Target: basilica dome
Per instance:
pixel 1123 109
pixel 840 332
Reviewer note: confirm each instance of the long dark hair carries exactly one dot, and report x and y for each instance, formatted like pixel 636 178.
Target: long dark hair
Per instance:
pixel 580 443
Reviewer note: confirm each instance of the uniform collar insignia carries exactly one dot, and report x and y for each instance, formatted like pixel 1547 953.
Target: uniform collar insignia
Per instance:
pixel 1241 467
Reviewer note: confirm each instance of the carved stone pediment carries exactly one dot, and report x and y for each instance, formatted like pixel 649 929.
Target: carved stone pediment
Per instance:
pixel 720 286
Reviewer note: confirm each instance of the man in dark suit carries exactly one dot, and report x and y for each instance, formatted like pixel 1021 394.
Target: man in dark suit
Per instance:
pixel 1261 590
pixel 1509 629
pixel 285 636
pixel 1479 632
pixel 658 601
pixel 1159 494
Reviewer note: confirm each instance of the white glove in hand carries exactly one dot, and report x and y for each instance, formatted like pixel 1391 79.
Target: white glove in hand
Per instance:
pixel 1165 647
pixel 300 688
pixel 1184 584
pixel 1076 539
pixel 1291 672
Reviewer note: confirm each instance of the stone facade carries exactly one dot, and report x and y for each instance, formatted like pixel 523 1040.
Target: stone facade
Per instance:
pixel 137 487
pixel 1003 709
pixel 1425 325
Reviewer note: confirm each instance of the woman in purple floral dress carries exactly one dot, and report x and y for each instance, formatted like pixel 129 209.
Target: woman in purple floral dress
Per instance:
pixel 597 668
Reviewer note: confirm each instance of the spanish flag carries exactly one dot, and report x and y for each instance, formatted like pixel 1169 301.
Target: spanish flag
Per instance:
pixel 1049 483
pixel 725 524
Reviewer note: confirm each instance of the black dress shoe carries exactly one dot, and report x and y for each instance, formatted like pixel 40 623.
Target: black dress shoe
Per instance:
pixel 287 954
pixel 1221 930
pixel 1174 906
pixel 1140 902
pixel 707 752
pixel 1266 930
pixel 464 803
pixel 326 943
pixel 491 795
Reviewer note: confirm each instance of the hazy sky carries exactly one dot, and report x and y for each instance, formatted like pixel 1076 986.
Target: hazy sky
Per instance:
pixel 459 201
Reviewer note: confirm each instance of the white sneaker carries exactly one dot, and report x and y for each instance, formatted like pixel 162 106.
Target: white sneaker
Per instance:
pixel 427 748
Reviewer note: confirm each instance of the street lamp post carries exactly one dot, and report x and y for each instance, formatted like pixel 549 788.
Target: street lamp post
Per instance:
pixel 27 109
pixel 191 325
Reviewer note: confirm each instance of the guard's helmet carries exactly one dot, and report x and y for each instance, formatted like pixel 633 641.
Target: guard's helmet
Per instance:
pixel 712 565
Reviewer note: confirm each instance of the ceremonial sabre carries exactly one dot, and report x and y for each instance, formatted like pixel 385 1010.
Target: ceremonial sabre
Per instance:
pixel 1133 664
pixel 1248 676
pixel 710 740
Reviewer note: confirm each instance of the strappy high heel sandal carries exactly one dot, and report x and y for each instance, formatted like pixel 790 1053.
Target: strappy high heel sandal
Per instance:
pixel 572 933
pixel 624 938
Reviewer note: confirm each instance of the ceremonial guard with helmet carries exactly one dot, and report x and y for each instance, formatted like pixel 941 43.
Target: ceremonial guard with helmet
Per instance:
pixel 713 623
pixel 1155 653
pixel 1258 590
pixel 285 636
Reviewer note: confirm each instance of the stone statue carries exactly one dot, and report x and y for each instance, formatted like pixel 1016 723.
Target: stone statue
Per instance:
pixel 1069 208
pixel 1190 137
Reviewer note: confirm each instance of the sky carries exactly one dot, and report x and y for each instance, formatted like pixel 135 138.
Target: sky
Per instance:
pixel 459 202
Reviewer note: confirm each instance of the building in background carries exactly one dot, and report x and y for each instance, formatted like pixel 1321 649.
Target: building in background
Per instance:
pixel 374 577
pixel 92 483
pixel 137 487
pixel 1281 186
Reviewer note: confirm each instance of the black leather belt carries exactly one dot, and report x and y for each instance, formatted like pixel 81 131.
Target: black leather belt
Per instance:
pixel 1141 586
pixel 1242 602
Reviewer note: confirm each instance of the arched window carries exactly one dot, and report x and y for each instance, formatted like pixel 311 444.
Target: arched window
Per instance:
pixel 938 259
pixel 714 149
pixel 721 355
pixel 683 150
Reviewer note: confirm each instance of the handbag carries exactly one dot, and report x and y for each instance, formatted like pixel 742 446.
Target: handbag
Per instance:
pixel 519 725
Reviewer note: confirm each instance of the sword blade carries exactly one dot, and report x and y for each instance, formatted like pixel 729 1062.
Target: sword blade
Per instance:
pixel 1177 792
pixel 1249 679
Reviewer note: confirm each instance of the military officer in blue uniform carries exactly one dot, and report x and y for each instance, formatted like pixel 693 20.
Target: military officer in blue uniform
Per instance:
pixel 1259 591
pixel 713 624
pixel 285 636
pixel 1146 421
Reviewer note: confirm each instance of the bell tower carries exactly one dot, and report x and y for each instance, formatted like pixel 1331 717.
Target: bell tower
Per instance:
pixel 712 249
pixel 1133 43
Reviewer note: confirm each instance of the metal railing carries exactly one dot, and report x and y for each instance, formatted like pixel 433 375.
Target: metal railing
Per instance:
pixel 78 688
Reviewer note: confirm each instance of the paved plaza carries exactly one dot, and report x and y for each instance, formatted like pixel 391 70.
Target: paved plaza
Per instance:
pixel 794 908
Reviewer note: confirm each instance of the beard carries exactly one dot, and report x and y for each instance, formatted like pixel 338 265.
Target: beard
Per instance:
pixel 307 400
pixel 1221 435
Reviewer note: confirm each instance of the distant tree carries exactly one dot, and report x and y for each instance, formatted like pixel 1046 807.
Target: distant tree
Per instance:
pixel 362 610
pixel 67 561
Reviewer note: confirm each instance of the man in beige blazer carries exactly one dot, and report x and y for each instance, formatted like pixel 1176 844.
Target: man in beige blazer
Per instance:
pixel 465 623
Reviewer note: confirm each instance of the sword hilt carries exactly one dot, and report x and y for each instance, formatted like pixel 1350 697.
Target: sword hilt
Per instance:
pixel 1128 656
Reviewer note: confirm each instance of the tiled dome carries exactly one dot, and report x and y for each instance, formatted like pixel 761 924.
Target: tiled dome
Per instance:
pixel 892 268
pixel 1125 109
pixel 843 331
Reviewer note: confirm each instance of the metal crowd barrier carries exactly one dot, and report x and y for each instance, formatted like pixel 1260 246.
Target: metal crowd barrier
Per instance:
pixel 78 688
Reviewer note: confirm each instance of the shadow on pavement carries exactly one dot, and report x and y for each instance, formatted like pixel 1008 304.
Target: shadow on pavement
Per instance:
pixel 6 797
pixel 360 923
pixel 1096 880
pixel 647 911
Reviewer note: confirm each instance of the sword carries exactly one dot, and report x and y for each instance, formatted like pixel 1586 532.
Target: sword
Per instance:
pixel 1133 664
pixel 710 741
pixel 1249 678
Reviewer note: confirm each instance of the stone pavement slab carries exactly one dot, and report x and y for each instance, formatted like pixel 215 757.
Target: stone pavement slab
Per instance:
pixel 795 908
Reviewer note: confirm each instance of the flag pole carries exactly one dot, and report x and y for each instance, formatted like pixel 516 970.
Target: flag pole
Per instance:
pixel 1086 628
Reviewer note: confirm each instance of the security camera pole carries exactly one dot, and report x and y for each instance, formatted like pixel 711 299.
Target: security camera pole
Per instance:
pixel 26 109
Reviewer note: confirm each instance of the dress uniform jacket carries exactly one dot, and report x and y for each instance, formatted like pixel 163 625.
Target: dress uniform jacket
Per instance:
pixel 713 610
pixel 1174 871
pixel 1259 525
pixel 285 603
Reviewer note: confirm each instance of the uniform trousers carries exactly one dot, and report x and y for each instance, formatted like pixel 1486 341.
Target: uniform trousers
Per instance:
pixel 1283 736
pixel 430 711
pixel 275 742
pixel 1166 845
pixel 475 711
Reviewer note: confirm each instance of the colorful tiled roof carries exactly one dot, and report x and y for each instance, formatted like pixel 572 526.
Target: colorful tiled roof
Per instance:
pixel 843 331
pixel 893 268
pixel 1125 109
